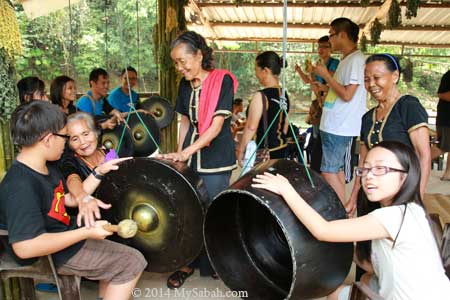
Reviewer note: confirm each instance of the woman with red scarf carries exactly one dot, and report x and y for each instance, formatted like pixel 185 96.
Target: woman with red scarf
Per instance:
pixel 205 100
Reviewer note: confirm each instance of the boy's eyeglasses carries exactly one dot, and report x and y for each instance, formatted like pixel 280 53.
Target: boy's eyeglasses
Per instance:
pixel 64 136
pixel 376 171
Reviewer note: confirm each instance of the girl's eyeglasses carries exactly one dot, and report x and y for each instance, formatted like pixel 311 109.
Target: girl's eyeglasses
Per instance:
pixel 376 171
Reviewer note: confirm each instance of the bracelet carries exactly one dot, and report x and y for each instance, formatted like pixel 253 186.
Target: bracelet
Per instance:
pixel 87 198
pixel 97 175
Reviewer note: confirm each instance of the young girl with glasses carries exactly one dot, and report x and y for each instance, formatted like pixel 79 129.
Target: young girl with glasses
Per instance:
pixel 404 253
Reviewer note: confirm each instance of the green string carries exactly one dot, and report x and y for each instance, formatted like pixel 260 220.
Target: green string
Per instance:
pixel 308 174
pixel 260 142
pixel 143 124
pixel 123 133
pixel 298 148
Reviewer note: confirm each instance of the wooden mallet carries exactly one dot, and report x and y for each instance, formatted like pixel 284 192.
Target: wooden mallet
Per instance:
pixel 126 228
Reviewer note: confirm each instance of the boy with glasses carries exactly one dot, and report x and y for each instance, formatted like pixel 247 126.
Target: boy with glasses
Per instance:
pixel 33 204
pixel 320 90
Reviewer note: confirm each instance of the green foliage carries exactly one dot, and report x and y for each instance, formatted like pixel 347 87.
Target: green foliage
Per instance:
pixel 394 19
pixel 412 6
pixel 365 3
pixel 95 36
pixel 363 42
pixel 8 95
pixel 375 32
pixel 407 69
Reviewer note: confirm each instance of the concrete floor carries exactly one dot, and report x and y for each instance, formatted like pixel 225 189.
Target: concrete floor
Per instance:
pixel 153 285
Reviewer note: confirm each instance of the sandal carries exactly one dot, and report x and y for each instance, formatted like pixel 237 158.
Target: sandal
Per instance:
pixel 179 277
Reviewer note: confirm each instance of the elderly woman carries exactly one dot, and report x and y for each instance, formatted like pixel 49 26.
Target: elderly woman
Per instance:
pixel 396 117
pixel 63 92
pixel 205 98
pixel 85 167
pixel 268 67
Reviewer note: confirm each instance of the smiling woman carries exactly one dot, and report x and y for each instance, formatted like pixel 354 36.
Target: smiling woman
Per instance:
pixel 404 254
pixel 63 92
pixel 85 165
pixel 396 118
pixel 204 101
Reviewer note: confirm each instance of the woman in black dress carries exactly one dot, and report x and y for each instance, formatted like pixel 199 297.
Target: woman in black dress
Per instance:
pixel 204 101
pixel 267 69
pixel 396 117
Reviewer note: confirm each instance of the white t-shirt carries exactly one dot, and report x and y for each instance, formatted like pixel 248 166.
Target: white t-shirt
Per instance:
pixel 412 270
pixel 341 117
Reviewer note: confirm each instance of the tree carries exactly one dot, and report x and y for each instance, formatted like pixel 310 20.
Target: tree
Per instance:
pixel 171 22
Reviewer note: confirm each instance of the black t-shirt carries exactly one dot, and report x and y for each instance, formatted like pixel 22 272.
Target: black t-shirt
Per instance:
pixel 275 135
pixel 32 204
pixel 405 115
pixel 443 107
pixel 71 108
pixel 70 163
pixel 219 156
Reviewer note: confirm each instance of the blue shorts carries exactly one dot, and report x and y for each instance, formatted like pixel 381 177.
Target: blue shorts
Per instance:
pixel 334 148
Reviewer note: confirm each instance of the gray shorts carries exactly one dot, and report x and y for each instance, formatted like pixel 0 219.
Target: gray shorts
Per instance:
pixel 443 134
pixel 106 261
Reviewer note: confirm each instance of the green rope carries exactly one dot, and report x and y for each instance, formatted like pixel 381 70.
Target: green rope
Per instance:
pixel 123 134
pixel 260 142
pixel 145 127
pixel 132 108
pixel 143 124
pixel 298 148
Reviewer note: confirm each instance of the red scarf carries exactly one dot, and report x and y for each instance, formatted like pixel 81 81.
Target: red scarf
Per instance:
pixel 209 97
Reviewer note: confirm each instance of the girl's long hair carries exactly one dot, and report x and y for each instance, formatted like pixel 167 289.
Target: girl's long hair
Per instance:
pixel 408 192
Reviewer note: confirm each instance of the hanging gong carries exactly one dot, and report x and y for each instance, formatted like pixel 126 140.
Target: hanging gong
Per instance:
pixel 144 145
pixel 166 199
pixel 257 244
pixel 110 140
pixel 161 109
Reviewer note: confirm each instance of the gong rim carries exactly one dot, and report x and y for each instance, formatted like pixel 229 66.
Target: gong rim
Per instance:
pixel 234 258
pixel 178 202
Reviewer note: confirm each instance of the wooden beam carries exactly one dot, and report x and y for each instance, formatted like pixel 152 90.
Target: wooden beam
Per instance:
pixel 315 52
pixel 263 4
pixel 321 26
pixel 204 20
pixel 298 40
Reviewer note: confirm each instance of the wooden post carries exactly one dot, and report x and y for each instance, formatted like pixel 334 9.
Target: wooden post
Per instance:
pixel 171 22
pixel 6 148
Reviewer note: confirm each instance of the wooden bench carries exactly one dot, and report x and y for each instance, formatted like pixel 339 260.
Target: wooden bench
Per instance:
pixel 361 291
pixel 43 270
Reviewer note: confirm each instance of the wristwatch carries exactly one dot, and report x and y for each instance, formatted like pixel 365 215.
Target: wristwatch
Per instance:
pixel 97 175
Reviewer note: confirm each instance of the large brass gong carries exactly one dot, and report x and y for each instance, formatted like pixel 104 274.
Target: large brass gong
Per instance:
pixel 166 200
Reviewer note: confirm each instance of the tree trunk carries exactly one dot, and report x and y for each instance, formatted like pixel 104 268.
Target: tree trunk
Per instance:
pixel 171 22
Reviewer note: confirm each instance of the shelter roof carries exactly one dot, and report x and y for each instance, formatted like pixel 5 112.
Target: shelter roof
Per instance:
pixel 258 20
